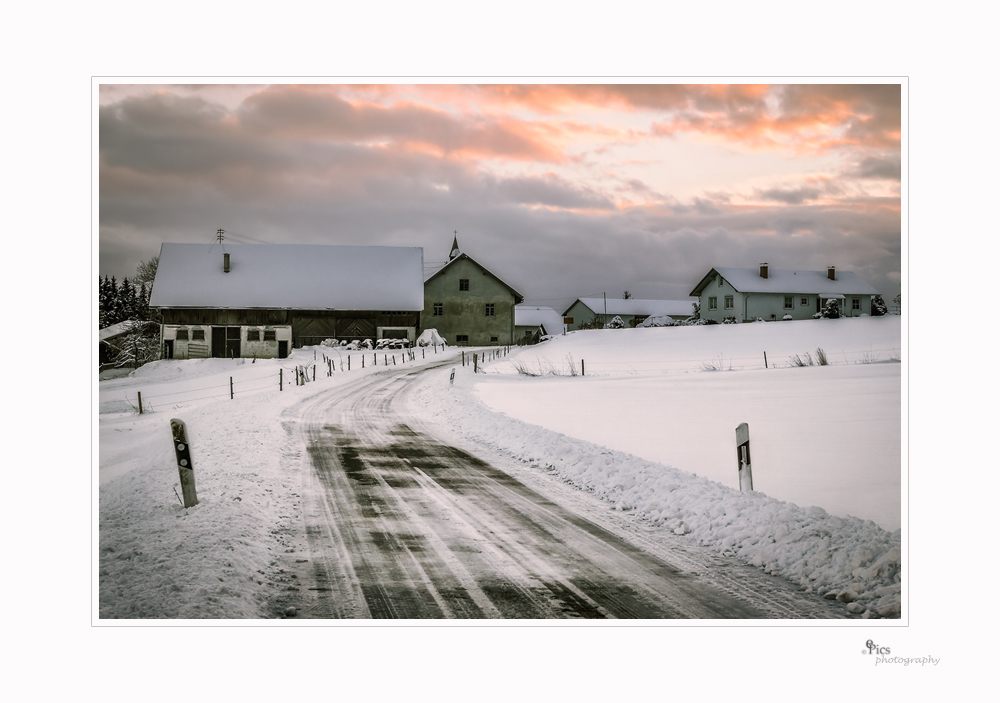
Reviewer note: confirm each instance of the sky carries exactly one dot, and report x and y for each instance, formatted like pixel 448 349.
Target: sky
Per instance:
pixel 561 190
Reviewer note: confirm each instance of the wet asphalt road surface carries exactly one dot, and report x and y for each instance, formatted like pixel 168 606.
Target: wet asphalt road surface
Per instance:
pixel 400 525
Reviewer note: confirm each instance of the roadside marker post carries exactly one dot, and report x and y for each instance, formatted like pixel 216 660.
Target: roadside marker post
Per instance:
pixel 453 377
pixel 743 456
pixel 182 450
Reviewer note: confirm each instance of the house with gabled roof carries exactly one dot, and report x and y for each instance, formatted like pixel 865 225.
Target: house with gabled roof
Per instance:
pixel 747 294
pixel 262 300
pixel 632 311
pixel 468 304
pixel 531 323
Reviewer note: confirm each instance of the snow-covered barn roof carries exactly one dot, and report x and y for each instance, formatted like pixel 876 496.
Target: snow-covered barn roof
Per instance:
pixel 531 316
pixel 289 276
pixel 635 306
pixel 781 281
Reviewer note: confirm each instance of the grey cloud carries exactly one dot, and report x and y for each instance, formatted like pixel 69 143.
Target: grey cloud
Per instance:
pixel 878 167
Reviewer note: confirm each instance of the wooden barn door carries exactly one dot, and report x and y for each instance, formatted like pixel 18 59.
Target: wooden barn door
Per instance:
pixel 218 342
pixel 232 342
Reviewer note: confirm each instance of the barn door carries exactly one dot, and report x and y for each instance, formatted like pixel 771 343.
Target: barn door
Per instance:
pixel 219 342
pixel 232 342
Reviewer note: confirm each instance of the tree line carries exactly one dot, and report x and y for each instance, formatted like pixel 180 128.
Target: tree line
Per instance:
pixel 128 300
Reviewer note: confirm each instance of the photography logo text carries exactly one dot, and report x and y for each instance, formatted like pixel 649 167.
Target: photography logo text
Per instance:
pixel 883 655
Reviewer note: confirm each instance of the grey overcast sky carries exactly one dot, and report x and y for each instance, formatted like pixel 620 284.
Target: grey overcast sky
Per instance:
pixel 562 190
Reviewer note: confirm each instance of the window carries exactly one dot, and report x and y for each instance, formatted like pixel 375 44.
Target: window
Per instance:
pixel 269 336
pixel 438 309
pixel 463 284
pixel 182 335
pixel 729 302
pixel 788 302
pixel 713 303
pixel 494 339
pixel 198 335
pixel 720 281
pixel 855 303
pixel 253 335
pixel 567 320
pixel 804 301
pixel 490 309
pixel 460 338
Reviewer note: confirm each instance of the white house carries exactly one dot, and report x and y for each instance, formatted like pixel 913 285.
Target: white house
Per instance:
pixel 261 300
pixel 531 322
pixel 632 311
pixel 769 294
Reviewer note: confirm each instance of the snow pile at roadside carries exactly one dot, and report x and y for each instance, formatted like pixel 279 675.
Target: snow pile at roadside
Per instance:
pixel 428 338
pixel 847 558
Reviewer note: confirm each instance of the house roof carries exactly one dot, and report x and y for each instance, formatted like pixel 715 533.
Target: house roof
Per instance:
pixel 635 306
pixel 289 276
pixel 463 256
pixel 531 316
pixel 781 281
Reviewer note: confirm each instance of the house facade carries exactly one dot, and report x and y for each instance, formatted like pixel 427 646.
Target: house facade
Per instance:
pixel 263 300
pixel 748 294
pixel 632 311
pixel 469 305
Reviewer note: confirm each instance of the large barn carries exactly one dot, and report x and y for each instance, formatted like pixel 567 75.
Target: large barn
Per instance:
pixel 262 300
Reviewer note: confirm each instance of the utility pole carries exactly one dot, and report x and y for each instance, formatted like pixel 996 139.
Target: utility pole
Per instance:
pixel 219 234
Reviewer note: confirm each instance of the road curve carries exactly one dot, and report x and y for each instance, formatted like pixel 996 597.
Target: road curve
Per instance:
pixel 400 525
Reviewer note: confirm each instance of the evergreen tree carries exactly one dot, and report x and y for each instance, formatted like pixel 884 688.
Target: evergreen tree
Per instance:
pixel 878 306
pixel 126 300
pixel 831 310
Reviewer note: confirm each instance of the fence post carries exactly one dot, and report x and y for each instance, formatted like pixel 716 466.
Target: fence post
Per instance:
pixel 140 401
pixel 314 371
pixel 475 363
pixel 182 450
pixel 230 387
pixel 281 379
pixel 743 456
pixel 583 371
pixel 765 360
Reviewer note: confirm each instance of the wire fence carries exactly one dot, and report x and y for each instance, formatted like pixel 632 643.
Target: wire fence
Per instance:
pixel 542 366
pixel 323 366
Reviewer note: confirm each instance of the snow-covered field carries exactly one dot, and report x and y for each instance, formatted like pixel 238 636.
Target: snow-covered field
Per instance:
pixel 828 436
pixel 646 405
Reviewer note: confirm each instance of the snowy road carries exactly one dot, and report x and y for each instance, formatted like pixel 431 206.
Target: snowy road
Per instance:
pixel 399 524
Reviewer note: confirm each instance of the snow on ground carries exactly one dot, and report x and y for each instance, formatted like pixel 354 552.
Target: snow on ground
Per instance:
pixel 218 559
pixel 221 558
pixel 835 555
pixel 819 435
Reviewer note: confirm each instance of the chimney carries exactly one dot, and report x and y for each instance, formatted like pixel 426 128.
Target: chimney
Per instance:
pixel 831 273
pixel 225 263
pixel 763 270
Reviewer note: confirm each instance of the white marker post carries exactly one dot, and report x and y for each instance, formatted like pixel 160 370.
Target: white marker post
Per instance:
pixel 743 456
pixel 183 451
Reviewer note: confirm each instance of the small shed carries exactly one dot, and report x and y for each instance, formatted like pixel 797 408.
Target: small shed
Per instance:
pixel 531 323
